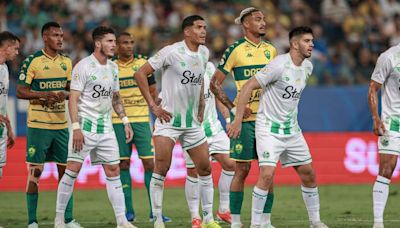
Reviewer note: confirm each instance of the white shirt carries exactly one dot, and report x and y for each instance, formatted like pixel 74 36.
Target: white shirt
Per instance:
pixel 4 86
pixel 282 83
pixel 96 82
pixel 387 73
pixel 182 76
pixel 211 124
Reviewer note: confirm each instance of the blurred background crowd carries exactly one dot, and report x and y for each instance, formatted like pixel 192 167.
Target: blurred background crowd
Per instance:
pixel 349 34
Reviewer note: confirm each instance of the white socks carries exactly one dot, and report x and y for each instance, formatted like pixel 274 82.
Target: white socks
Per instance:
pixel 311 199
pixel 258 202
pixel 380 194
pixel 224 185
pixel 192 192
pixel 64 192
pixel 207 195
pixel 156 195
pixel 116 197
pixel 265 218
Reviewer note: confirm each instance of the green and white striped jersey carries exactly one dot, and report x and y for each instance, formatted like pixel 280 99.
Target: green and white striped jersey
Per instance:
pixel 211 124
pixel 4 86
pixel 182 77
pixel 96 82
pixel 282 83
pixel 387 73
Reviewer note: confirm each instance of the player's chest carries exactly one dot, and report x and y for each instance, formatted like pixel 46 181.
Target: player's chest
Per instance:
pixel 188 70
pixel 292 83
pixel 4 82
pixel 251 55
pixel 48 68
pixel 101 80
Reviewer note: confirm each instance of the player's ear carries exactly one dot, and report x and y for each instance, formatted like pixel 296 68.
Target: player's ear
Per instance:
pixel 97 44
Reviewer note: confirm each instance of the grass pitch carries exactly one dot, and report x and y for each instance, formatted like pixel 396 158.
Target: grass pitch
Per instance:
pixel 341 206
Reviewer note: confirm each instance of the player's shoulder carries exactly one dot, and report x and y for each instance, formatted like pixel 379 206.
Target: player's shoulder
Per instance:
pixel 267 44
pixel 85 63
pixel 140 57
pixel 31 58
pixel 393 53
pixel 235 46
pixel 113 64
pixel 65 57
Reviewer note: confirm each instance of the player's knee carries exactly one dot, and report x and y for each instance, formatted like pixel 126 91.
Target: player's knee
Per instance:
pixel 34 174
pixel 111 170
pixel 124 164
pixel 148 165
pixel 242 170
pixel 161 169
pixel 191 172
pixel 229 165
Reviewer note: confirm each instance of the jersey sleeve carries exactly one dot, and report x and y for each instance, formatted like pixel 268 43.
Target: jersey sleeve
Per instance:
pixel 116 78
pixel 228 60
pixel 27 73
pixel 160 59
pixel 269 73
pixel 79 77
pixel 382 69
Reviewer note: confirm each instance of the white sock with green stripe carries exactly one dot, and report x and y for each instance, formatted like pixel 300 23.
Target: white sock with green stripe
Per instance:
pixel 224 185
pixel 207 195
pixel 192 192
pixel 380 194
pixel 258 202
pixel 116 197
pixel 156 195
pixel 64 192
pixel 311 199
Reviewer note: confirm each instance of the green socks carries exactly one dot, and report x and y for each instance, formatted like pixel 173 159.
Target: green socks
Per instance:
pixel 147 179
pixel 68 211
pixel 268 204
pixel 127 188
pixel 236 200
pixel 32 201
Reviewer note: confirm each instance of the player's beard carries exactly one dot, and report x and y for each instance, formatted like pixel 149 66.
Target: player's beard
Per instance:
pixel 261 34
pixel 104 53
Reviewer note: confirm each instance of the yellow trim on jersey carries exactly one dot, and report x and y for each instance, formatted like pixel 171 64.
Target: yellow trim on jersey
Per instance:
pixel 41 72
pixel 135 105
pixel 240 160
pixel 146 157
pixel 243 59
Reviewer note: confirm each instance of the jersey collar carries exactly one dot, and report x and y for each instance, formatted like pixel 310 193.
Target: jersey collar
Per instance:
pixel 252 43
pixel 127 63
pixel 48 56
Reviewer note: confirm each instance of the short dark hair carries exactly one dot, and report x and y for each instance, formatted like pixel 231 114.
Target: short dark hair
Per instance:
pixel 6 36
pixel 188 21
pixel 48 25
pixel 123 34
pixel 300 31
pixel 99 32
pixel 248 14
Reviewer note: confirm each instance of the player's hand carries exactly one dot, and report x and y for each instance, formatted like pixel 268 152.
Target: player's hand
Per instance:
pixel 61 96
pixel 200 117
pixel 247 113
pixel 161 114
pixel 378 127
pixel 10 138
pixel 77 140
pixel 128 132
pixel 49 98
pixel 234 129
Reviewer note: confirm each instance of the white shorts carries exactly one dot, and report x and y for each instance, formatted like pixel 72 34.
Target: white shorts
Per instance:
pixel 217 144
pixel 188 137
pixel 3 148
pixel 290 150
pixel 389 144
pixel 103 149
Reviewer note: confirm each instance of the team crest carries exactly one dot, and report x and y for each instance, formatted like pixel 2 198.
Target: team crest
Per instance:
pixel 238 148
pixel 31 151
pixel 63 66
pixel 267 54
pixel 22 77
pixel 384 141
pixel 266 154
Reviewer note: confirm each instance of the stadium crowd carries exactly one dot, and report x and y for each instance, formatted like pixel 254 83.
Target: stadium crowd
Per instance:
pixel 349 34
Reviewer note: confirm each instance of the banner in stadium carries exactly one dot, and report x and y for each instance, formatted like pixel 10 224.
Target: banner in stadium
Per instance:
pixel 338 158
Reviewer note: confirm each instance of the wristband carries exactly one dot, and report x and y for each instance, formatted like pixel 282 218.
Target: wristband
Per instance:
pixel 233 110
pixel 228 120
pixel 125 120
pixel 75 126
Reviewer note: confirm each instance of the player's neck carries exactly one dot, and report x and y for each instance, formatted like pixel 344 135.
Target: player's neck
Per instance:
pixel 296 57
pixel 191 46
pixel 50 52
pixel 125 58
pixel 2 59
pixel 100 57
pixel 253 38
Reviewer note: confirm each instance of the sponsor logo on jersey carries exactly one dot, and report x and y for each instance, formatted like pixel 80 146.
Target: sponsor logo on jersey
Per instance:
pixel 46 67
pixel 191 78
pixel 3 89
pixel 291 92
pixel 251 72
pixel 53 85
pixel 208 94
pixel 100 91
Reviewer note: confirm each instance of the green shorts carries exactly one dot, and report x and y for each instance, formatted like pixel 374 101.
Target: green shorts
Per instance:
pixel 141 138
pixel 45 145
pixel 243 149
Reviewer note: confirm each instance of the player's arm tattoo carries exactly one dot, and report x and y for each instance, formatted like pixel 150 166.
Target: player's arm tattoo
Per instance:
pixel 202 102
pixel 117 105
pixel 216 88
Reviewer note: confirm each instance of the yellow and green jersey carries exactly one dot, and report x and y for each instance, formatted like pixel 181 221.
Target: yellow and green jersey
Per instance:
pixel 135 105
pixel 42 72
pixel 243 59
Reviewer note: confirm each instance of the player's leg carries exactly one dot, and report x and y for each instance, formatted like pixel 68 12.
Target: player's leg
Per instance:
pixel 192 191
pixel 125 152
pixel 59 154
pixel 380 191
pixel 219 147
pixel 3 149
pixel 38 141
pixel 298 155
pixel 243 151
pixel 200 157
